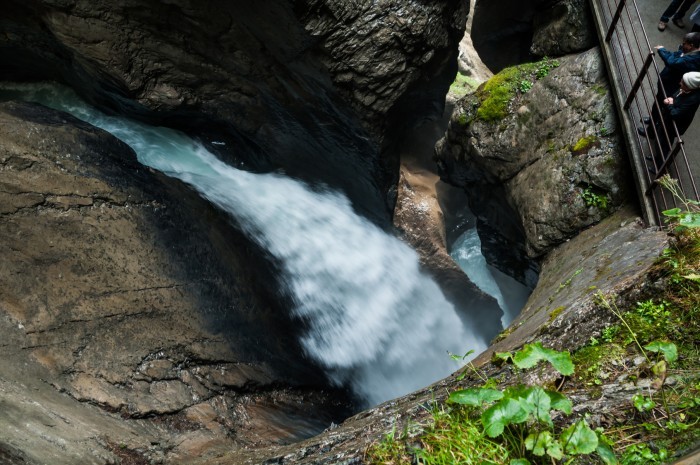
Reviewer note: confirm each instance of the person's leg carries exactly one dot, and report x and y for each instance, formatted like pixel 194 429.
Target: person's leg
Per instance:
pixel 670 11
pixel 655 114
pixel 683 9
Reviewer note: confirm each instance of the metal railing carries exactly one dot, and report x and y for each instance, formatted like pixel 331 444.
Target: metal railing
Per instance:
pixel 634 74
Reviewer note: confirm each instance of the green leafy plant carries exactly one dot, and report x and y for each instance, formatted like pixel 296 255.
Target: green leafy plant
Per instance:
pixel 496 94
pixel 591 199
pixel 686 216
pixel 522 415
pixel 525 86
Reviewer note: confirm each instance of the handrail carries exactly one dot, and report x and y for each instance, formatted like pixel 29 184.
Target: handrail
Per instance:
pixel 634 74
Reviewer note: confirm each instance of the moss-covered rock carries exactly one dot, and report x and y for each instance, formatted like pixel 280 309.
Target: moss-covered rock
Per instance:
pixel 542 146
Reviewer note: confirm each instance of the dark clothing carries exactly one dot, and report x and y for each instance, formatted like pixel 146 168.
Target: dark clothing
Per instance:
pixel 677 9
pixel 677 64
pixel 681 112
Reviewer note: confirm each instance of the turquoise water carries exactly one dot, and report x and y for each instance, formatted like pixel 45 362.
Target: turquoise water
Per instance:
pixel 375 321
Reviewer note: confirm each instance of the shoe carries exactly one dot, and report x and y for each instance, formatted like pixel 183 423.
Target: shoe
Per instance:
pixel 678 22
pixel 661 26
pixel 646 120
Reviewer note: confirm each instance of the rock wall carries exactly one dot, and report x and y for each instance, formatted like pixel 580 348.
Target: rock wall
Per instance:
pixel 554 154
pixel 319 89
pixel 138 325
pixel 133 317
pixel 532 29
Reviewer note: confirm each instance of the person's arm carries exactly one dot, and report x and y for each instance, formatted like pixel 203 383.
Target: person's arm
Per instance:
pixel 669 58
pixel 685 106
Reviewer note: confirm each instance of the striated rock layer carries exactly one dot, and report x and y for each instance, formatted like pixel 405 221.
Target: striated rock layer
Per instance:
pixel 319 89
pixel 122 289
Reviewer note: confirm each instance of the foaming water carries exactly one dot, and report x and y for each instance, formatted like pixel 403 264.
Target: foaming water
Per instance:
pixel 374 321
pixel 510 294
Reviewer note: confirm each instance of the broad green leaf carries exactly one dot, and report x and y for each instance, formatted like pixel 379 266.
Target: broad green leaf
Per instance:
pixel 475 396
pixel 505 412
pixel 643 403
pixel 673 212
pixel 555 451
pixel 519 462
pixel 659 369
pixel 505 356
pixel 538 442
pixel 544 443
pixel 560 402
pixel 606 454
pixel 579 439
pixel 669 349
pixel 539 404
pixel 691 220
pixel 532 354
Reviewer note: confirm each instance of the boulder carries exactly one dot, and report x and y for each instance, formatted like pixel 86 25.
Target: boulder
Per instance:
pixel 564 27
pixel 553 157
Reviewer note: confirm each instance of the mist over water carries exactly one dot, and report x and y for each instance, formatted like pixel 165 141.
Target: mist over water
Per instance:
pixel 372 319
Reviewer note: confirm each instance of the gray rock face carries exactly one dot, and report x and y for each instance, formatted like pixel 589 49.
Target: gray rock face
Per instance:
pixel 563 28
pixel 556 154
pixel 320 89
pixel 122 289
pixel 531 28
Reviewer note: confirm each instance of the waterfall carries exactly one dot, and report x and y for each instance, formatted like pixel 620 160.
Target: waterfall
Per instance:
pixel 510 294
pixel 373 320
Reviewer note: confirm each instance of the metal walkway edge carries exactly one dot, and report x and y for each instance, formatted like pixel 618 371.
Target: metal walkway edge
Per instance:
pixel 633 69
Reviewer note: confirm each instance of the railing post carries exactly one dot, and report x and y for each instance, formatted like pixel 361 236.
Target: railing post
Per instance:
pixel 615 19
pixel 664 166
pixel 638 82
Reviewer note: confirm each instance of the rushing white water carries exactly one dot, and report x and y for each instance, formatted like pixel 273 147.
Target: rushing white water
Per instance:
pixel 374 320
pixel 510 294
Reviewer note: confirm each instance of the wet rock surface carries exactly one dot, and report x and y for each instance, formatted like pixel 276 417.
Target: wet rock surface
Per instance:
pixel 128 316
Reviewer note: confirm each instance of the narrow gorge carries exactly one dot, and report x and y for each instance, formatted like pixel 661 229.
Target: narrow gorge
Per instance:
pixel 252 233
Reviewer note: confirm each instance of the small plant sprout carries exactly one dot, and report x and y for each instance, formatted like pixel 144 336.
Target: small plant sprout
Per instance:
pixel 687 216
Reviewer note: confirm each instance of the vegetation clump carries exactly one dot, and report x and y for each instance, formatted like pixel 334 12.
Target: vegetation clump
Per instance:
pixel 655 339
pixel 497 93
pixel 584 144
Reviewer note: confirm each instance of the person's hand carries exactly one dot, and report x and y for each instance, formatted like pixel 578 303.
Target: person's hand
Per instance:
pixel 658 47
pixel 668 101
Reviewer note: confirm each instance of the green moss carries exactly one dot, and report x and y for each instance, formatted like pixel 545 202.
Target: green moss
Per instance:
pixel 600 90
pixel 555 313
pixel 462 119
pixel 595 363
pixel 584 144
pixel 497 93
